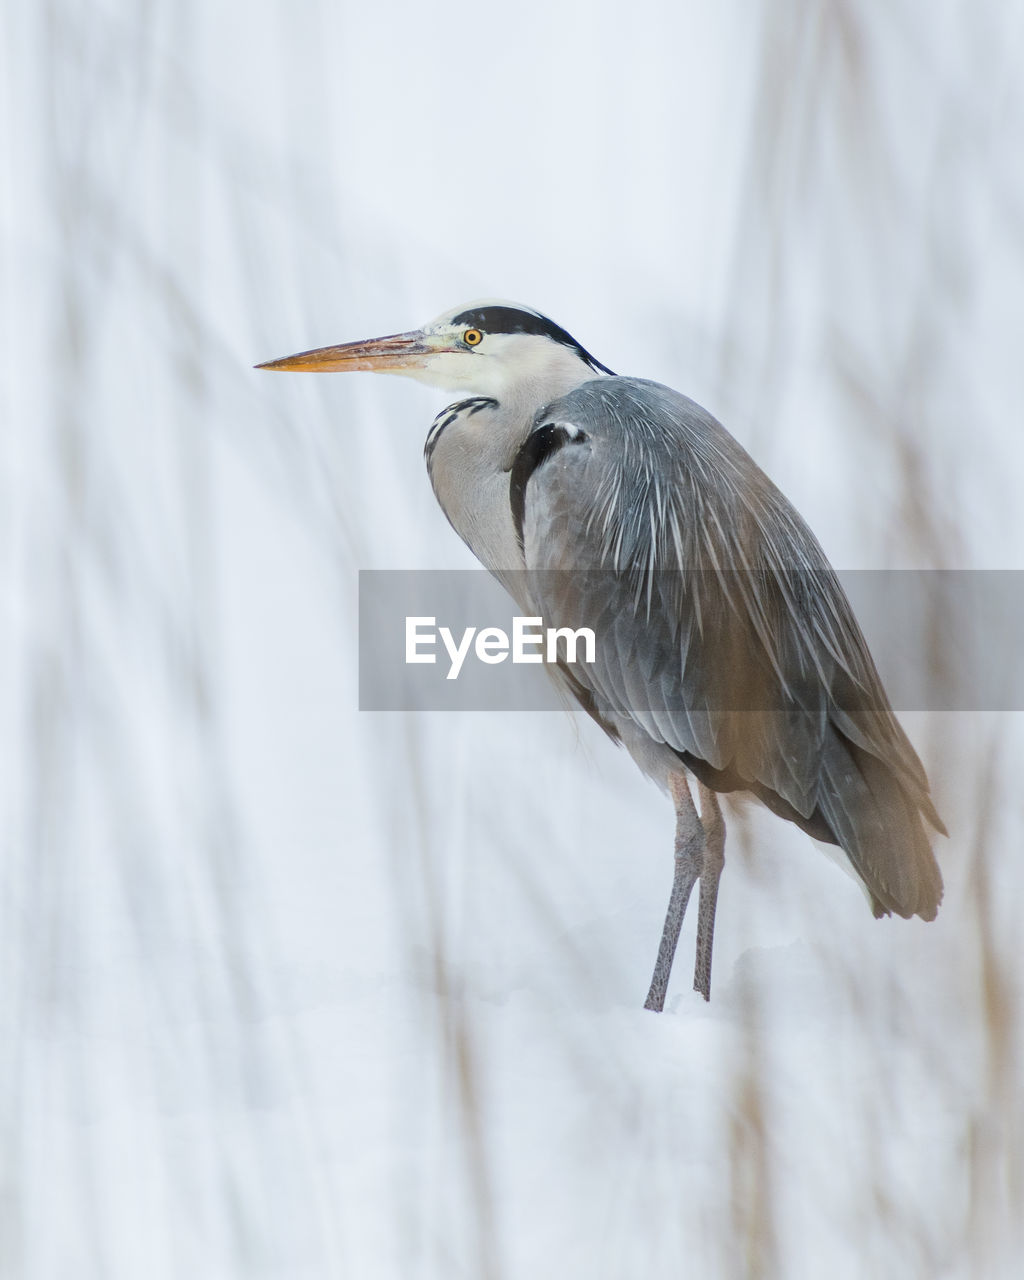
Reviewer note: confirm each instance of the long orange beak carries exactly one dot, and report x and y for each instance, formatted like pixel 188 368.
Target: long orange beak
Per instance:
pixel 377 355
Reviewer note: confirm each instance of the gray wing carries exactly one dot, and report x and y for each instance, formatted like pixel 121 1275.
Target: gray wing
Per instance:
pixel 722 632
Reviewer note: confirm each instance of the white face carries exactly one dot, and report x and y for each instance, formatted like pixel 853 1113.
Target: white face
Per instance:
pixel 498 364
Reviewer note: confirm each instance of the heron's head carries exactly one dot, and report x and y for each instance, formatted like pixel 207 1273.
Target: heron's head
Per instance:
pixel 487 348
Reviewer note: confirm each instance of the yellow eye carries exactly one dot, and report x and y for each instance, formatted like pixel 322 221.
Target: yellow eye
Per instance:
pixel 472 337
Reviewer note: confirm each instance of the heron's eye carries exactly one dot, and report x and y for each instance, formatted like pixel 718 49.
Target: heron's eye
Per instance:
pixel 472 337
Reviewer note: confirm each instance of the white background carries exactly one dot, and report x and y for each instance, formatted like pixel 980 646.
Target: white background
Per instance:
pixel 291 991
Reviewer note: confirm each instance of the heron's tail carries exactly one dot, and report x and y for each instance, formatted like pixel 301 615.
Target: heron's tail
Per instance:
pixel 878 818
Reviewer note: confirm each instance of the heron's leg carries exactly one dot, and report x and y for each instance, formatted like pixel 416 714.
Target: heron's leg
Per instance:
pixel 689 854
pixel 714 859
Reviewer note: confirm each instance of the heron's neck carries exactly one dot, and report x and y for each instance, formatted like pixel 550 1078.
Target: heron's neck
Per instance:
pixel 469 453
pixel 473 443
pixel 523 400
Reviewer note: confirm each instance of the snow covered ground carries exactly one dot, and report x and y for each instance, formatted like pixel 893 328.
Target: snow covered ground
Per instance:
pixel 288 990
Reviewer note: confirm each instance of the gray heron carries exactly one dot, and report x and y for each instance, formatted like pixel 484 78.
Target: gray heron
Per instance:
pixel 729 652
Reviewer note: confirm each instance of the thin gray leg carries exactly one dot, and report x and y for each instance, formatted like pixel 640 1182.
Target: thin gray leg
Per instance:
pixel 688 864
pixel 714 859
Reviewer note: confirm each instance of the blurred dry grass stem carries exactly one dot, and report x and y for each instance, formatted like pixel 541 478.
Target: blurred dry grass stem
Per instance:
pixel 995 1135
pixel 753 1167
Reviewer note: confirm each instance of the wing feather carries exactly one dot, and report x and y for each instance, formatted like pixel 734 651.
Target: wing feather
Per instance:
pixel 723 633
